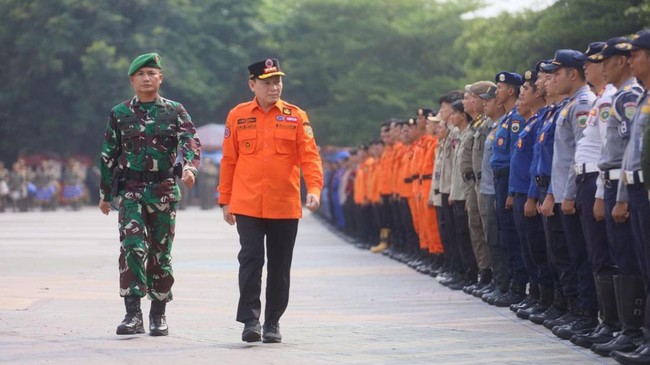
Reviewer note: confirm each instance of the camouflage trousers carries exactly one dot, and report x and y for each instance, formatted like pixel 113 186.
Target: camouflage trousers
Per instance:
pixel 146 235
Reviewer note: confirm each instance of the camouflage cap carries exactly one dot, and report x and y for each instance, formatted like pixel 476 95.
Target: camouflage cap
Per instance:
pixel 145 60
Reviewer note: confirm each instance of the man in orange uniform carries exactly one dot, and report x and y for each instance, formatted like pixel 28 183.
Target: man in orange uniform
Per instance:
pixel 397 232
pixel 433 245
pixel 267 142
pixel 385 189
pixel 408 210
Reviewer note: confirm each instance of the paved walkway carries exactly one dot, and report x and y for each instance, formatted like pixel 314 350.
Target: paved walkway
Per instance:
pixel 59 303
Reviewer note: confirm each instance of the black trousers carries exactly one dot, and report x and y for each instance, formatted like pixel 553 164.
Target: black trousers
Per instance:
pixel 558 251
pixel 470 269
pixel 452 251
pixel 280 237
pixel 411 243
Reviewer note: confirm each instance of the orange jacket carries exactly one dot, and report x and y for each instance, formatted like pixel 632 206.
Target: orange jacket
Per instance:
pixel 386 167
pixel 405 176
pixel 263 153
pixel 399 151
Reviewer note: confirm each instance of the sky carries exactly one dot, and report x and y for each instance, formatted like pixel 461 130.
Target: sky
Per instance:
pixel 497 6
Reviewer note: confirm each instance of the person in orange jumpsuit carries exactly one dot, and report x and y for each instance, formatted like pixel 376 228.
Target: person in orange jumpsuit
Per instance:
pixel 433 246
pixel 267 142
pixel 405 186
pixel 385 189
pixel 397 229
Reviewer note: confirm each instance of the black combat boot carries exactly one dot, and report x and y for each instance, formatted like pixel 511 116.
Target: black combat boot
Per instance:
pixel 531 299
pixel 515 294
pixel 542 304
pixel 555 311
pixel 157 320
pixel 610 324
pixel 132 323
pixel 568 316
pixel 630 302
pixel 586 321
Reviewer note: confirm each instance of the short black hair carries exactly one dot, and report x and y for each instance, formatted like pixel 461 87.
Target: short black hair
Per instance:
pixel 450 97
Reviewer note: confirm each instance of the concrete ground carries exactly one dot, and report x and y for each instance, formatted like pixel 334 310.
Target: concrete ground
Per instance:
pixel 59 303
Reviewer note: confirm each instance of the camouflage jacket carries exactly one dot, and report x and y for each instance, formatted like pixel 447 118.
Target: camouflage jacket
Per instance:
pixel 148 141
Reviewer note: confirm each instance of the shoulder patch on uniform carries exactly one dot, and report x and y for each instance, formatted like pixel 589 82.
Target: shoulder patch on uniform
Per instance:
pixel 581 118
pixel 603 112
pixel 515 126
pixel 226 132
pixel 309 132
pixel 583 98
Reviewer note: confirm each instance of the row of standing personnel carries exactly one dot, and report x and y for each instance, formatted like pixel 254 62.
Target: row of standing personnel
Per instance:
pixel 527 192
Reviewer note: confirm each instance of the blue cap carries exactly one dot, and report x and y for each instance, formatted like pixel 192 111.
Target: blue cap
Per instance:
pixel 511 78
pixel 566 58
pixel 594 48
pixel 610 49
pixel 640 40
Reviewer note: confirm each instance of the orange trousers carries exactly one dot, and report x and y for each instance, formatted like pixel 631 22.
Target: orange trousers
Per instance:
pixel 429 222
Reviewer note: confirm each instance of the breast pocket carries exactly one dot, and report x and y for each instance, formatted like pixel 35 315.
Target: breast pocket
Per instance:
pixel 166 130
pixel 285 141
pixel 247 141
pixel 132 133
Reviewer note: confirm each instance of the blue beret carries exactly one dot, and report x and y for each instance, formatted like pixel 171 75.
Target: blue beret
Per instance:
pixel 144 60
pixel 511 78
pixel 566 58
pixel 530 76
pixel 539 66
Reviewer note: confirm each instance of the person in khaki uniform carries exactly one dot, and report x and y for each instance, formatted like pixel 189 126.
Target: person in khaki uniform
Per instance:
pixel 457 196
pixel 474 107
pixel 448 134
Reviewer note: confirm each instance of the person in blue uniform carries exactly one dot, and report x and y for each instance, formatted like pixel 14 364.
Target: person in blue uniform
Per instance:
pixel 529 223
pixel 507 132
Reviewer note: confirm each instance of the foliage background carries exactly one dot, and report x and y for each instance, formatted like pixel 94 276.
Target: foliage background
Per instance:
pixel 350 64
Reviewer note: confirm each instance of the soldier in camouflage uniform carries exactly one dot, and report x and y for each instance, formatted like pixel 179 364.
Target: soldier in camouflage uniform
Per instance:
pixel 137 163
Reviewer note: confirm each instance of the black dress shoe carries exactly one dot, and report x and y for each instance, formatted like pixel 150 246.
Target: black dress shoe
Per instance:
pixel 272 333
pixel 252 331
pixel 640 356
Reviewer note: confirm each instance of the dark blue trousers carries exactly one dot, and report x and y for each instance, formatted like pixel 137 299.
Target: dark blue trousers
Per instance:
pixel 533 243
pixel 558 250
pixel 508 233
pixel 619 235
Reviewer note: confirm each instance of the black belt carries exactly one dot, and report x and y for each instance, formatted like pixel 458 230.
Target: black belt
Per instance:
pixel 468 176
pixel 543 181
pixel 501 172
pixel 415 177
pixel 148 176
pixel 519 194
pixel 408 180
pixel 427 177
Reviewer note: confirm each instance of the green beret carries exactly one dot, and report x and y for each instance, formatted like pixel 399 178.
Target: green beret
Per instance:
pixel 144 60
